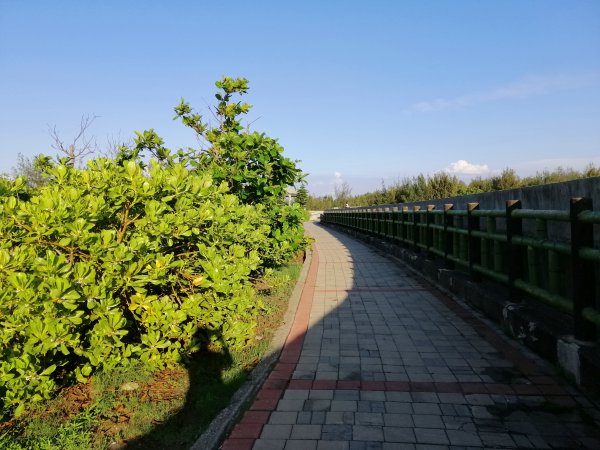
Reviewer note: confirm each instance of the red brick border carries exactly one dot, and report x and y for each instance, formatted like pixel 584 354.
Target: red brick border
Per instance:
pixel 250 426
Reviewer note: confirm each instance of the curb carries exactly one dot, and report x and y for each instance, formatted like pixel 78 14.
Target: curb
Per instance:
pixel 226 419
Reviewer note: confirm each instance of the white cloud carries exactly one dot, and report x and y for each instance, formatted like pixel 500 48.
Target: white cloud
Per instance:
pixel 462 167
pixel 525 87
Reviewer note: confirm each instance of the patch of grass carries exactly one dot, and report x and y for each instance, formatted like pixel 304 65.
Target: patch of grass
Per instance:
pixel 50 434
pixel 135 408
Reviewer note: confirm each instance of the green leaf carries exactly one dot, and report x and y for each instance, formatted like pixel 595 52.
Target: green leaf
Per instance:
pixel 49 370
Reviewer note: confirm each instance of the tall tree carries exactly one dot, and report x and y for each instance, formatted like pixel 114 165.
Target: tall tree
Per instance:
pixel 342 193
pixel 302 196
pixel 33 169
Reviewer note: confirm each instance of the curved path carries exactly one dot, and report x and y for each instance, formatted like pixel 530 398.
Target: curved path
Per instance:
pixel 376 359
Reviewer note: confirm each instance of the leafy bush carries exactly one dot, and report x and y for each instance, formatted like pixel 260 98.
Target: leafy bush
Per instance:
pixel 109 263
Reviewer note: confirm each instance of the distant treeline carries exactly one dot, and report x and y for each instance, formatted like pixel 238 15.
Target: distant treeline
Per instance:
pixel 441 185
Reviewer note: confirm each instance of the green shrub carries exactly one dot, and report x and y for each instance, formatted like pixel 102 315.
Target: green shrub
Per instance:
pixel 109 263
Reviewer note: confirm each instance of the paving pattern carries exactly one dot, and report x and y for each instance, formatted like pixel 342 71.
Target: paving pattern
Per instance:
pixel 376 359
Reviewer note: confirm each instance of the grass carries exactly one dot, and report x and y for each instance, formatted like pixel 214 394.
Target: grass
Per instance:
pixel 135 408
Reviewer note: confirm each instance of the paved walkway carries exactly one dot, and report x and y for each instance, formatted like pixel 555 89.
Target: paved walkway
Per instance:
pixel 376 359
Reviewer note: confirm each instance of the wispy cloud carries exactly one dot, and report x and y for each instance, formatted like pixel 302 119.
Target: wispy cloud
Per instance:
pixel 529 86
pixel 462 167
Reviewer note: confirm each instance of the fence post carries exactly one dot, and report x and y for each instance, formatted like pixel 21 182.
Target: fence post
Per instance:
pixel 474 243
pixel 582 235
pixel 386 226
pixel 514 253
pixel 448 236
pixel 429 231
pixel 404 226
pixel 416 229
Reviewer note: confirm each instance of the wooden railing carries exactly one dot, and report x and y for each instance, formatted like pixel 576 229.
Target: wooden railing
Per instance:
pixel 491 244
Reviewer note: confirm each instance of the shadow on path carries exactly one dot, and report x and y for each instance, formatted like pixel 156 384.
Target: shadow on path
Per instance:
pixel 380 359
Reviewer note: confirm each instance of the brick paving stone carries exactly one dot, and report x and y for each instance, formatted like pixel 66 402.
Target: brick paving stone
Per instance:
pixel 306 432
pixel 270 431
pixel 317 405
pixel 398 420
pixel 343 405
pixel 337 432
pixel 301 444
pixel 304 417
pixel 377 406
pixel 290 405
pixel 432 447
pixel 269 444
pixel 343 394
pixel 363 445
pixel 479 399
pixel 425 397
pixel 368 418
pixel 399 434
pixel 426 408
pixel 339 417
pixel 372 395
pixel 398 407
pixel 296 394
pixel 431 436
pixel 397 446
pixel 538 441
pixel 321 394
pixel 427 421
pixel 283 417
pixel 497 439
pixel 398 396
pixel 452 398
pixel 367 433
pixel 333 445
pixel 463 438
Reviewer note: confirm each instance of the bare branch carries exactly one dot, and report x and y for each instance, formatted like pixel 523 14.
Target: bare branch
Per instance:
pixel 113 145
pixel 80 147
pixel 249 124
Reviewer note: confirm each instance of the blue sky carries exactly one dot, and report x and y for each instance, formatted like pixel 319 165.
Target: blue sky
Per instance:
pixel 358 91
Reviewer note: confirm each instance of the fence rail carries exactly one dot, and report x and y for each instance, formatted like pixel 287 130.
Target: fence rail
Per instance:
pixel 491 244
